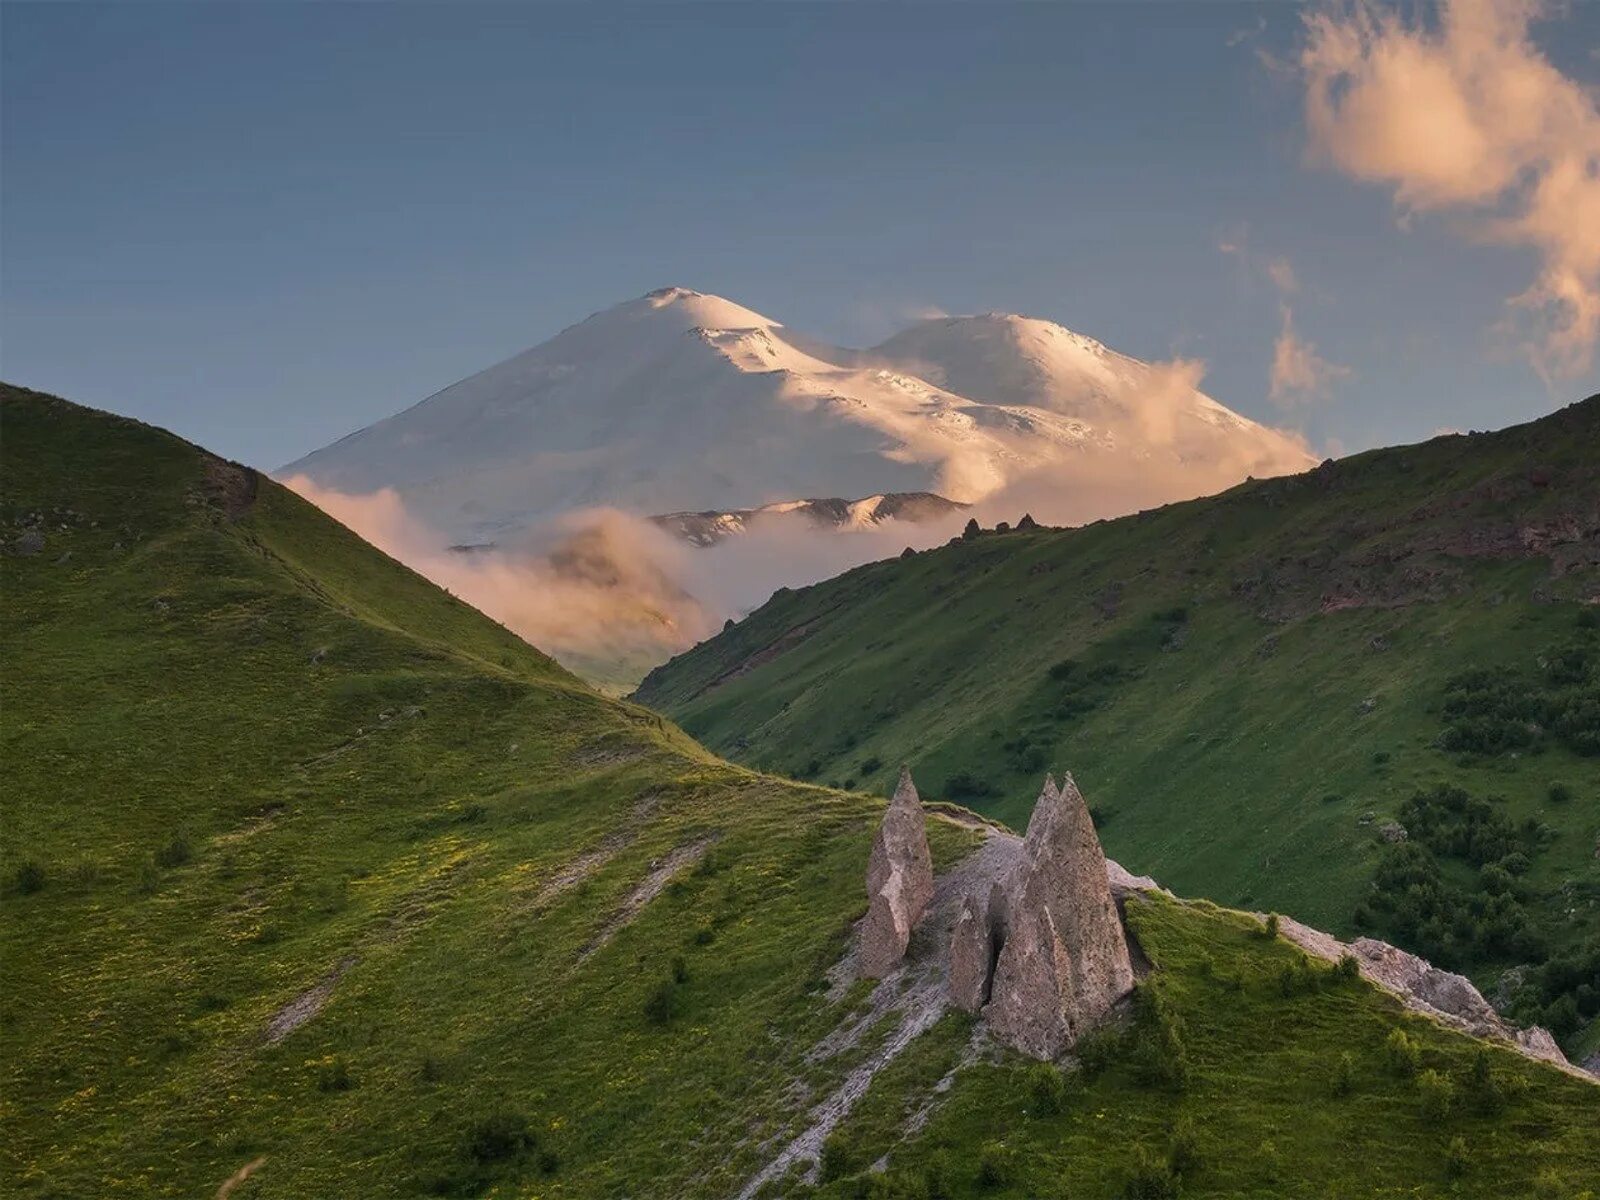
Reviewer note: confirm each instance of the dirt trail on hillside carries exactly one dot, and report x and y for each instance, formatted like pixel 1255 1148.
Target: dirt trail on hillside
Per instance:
pixel 307 1004
pixel 916 993
pixel 239 1176
pixel 574 871
pixel 661 873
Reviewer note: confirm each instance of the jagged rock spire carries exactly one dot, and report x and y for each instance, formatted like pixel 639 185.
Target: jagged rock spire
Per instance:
pixel 899 881
pixel 975 940
pixel 1064 960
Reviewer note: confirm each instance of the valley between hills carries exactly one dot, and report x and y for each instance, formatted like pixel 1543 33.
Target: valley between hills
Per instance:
pixel 320 883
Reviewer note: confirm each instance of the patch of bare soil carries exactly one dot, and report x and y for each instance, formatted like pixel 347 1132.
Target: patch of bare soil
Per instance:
pixel 229 487
pixel 917 995
pixel 307 1004
pixel 239 1176
pixel 661 873
pixel 573 872
pixel 609 751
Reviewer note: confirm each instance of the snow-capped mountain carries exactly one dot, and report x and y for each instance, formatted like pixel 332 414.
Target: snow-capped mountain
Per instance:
pixel 683 402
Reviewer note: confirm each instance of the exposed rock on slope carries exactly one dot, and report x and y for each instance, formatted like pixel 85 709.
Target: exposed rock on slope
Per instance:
pixel 1064 961
pixel 1037 947
pixel 1443 995
pixel 899 881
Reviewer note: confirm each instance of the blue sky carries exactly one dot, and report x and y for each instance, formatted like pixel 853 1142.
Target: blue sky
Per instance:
pixel 263 226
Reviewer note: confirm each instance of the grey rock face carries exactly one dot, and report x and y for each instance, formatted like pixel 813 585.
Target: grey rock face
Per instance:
pixel 899 882
pixel 1034 998
pixel 1064 960
pixel 970 946
pixel 975 941
pixel 1425 988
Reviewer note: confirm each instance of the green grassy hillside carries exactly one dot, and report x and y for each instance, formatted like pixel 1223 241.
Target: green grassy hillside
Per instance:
pixel 318 883
pixel 1249 686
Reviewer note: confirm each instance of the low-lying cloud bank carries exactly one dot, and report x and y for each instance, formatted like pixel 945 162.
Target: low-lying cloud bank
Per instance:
pixel 610 594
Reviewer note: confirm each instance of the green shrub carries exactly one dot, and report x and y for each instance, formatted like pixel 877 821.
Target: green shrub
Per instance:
pixel 938 1176
pixel 1269 929
pixel 1344 1075
pixel 1559 793
pixel 175 853
pixel 965 786
pixel 661 1005
pixel 29 878
pixel 1347 969
pixel 680 969
pixel 1158 1052
pixel 1098 1049
pixel 1402 1054
pixel 498 1136
pixel 1456 1158
pixel 1183 1151
pixel 836 1158
pixel 1153 1178
pixel 1047 1089
pixel 333 1075
pixel 1436 1094
pixel 872 765
pixel 997 1164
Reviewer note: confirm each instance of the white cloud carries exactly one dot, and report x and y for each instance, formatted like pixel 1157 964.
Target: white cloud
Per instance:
pixel 1248 33
pixel 1281 271
pixel 1300 376
pixel 1464 116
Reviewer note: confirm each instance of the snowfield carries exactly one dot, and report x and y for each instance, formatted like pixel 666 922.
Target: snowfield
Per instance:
pixel 683 402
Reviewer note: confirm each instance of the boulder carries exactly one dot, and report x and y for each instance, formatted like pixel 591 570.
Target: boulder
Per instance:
pixel 899 882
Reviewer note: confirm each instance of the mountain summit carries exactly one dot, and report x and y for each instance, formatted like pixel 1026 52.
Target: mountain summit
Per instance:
pixel 680 401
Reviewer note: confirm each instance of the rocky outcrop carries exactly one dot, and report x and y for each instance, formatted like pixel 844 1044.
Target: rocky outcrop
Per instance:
pixel 1443 995
pixel 1052 932
pixel 899 882
pixel 975 941
pixel 970 947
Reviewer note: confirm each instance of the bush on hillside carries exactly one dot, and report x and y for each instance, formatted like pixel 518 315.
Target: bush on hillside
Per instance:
pixel 1047 1089
pixel 1436 1095
pixel 175 853
pixel 29 878
pixel 1402 1054
pixel 997 1164
pixel 965 786
pixel 1490 712
pixel 1153 1178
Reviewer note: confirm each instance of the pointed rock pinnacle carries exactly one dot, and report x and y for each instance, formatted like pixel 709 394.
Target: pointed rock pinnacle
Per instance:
pixel 1064 960
pixel 899 881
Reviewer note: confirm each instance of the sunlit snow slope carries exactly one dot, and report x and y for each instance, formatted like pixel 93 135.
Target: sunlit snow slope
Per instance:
pixel 681 401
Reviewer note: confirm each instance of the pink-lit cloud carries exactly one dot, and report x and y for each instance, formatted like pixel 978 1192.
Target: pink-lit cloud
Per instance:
pixel 1300 375
pixel 1464 117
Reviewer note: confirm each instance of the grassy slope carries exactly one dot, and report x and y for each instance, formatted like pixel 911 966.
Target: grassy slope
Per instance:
pixel 248 753
pixel 1240 763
